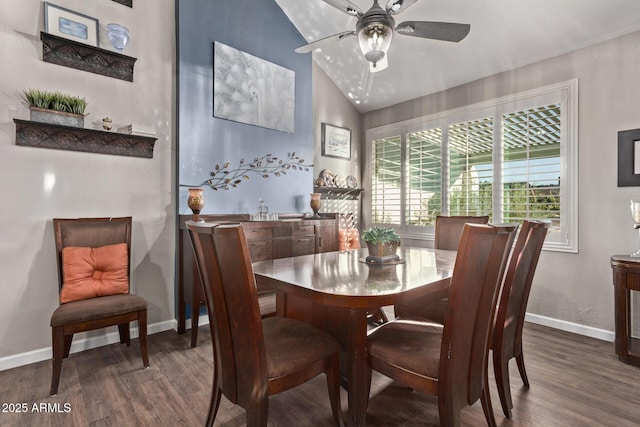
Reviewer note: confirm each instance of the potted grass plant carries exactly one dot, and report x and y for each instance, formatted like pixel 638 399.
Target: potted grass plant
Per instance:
pixel 382 244
pixel 54 107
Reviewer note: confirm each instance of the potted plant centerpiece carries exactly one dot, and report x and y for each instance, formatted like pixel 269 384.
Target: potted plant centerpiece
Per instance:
pixel 382 244
pixel 54 107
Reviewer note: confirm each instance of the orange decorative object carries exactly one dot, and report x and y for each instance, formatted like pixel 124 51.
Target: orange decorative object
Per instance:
pixel 315 204
pixel 94 272
pixel 196 202
pixel 348 239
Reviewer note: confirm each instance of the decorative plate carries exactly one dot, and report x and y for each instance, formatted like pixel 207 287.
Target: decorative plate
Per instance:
pixel 329 178
pixel 352 182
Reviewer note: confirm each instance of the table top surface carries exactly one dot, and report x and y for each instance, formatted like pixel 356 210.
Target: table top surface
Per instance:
pixel 627 259
pixel 343 274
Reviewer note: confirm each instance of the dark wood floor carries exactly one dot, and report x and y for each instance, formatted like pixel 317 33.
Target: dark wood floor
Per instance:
pixel 575 381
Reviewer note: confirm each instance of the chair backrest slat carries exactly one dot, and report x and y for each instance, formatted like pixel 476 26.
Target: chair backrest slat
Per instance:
pixel 517 285
pixel 449 229
pixel 224 262
pixel 482 255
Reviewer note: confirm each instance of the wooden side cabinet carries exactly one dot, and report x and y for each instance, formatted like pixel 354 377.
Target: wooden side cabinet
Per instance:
pixel 626 278
pixel 266 240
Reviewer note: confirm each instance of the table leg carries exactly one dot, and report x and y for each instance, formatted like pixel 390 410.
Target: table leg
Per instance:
pixel 621 320
pixel 357 370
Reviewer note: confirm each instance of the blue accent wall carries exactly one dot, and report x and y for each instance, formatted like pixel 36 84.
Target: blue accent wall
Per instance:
pixel 261 29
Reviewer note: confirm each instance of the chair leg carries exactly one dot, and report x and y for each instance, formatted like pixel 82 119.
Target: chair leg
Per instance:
pixel 216 394
pixel 523 372
pixel 125 335
pixel 501 372
pixel 67 344
pixel 449 416
pixel 58 344
pixel 142 336
pixel 333 384
pixel 195 320
pixel 369 374
pixel 485 399
pixel 258 412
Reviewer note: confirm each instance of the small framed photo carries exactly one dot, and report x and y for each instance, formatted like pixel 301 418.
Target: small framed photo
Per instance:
pixel 69 24
pixel 629 158
pixel 336 141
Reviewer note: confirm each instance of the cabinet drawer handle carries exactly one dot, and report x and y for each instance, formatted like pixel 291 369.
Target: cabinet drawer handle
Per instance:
pixel 259 243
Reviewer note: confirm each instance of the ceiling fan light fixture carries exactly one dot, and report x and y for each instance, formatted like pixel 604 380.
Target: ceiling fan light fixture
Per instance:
pixel 374 40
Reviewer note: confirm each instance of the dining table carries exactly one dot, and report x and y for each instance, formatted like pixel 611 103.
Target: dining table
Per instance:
pixel 336 291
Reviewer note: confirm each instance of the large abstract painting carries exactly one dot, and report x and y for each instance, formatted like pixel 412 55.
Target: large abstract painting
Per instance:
pixel 250 90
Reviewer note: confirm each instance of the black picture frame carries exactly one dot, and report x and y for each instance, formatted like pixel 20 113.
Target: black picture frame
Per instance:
pixel 336 141
pixel 628 151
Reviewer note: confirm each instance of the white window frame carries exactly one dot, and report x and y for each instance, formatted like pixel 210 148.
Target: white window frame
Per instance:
pixel 564 92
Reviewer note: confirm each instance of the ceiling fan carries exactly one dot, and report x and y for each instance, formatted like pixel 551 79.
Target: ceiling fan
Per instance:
pixel 376 26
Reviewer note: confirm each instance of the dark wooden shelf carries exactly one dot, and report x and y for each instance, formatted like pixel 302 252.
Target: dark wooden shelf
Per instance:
pixel 338 193
pixel 81 56
pixel 125 2
pixel 58 137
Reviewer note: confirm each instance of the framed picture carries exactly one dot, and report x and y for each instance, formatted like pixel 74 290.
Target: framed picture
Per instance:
pixel 629 158
pixel 336 141
pixel 69 24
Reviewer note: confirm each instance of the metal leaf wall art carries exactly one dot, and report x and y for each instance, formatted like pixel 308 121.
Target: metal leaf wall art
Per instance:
pixel 224 178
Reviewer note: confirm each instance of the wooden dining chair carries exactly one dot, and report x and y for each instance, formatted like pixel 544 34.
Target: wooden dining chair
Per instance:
pixel 450 360
pixel 93 256
pixel 254 358
pixel 449 229
pixel 512 306
pixel 447 237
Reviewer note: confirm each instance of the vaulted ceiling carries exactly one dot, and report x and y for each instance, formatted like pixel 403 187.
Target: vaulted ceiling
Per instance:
pixel 505 34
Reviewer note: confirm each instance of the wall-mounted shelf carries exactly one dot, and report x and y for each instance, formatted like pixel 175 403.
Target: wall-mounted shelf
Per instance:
pixel 45 135
pixel 69 53
pixel 125 2
pixel 338 193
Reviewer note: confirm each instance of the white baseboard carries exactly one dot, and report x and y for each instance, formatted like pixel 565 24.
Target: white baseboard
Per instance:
pixel 575 328
pixel 202 320
pixel 111 338
pixel 80 345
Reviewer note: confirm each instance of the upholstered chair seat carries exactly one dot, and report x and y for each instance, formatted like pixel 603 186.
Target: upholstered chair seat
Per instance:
pixel 291 345
pixel 97 308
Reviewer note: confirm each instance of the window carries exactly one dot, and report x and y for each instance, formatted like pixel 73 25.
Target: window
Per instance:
pixel 514 158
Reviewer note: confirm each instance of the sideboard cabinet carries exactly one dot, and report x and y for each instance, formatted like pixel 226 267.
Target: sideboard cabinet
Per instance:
pixel 266 240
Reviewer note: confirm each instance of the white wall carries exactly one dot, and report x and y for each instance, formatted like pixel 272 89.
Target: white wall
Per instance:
pixel 574 289
pixel 331 106
pixel 37 185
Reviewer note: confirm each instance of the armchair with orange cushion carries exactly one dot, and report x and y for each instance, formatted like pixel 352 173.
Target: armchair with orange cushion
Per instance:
pixel 93 257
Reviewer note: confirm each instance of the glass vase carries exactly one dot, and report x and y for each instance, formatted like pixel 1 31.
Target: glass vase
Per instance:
pixel 118 36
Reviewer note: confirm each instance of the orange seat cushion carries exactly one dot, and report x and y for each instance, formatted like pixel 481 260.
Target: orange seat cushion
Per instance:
pixel 94 272
pixel 348 239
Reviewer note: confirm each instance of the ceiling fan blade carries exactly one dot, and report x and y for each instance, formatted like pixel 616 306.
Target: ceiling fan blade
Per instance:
pixel 445 31
pixel 394 7
pixel 323 42
pixel 346 6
